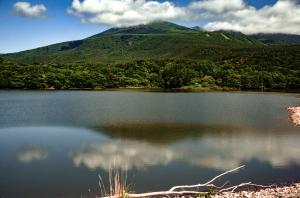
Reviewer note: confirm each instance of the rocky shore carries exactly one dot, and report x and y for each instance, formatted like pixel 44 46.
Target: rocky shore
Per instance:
pixel 287 191
pixel 283 191
pixel 295 115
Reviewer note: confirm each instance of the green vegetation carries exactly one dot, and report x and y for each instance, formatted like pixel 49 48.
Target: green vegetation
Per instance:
pixel 276 67
pixel 160 54
pixel 277 38
pixel 158 40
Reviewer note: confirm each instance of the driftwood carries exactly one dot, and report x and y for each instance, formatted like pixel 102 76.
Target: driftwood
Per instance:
pixel 182 190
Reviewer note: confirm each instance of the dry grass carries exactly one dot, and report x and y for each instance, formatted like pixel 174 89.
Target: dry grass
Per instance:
pixel 117 184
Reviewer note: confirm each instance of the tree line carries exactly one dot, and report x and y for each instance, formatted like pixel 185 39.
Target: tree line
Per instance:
pixel 242 71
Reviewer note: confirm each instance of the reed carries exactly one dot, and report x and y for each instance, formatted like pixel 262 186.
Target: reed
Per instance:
pixel 117 184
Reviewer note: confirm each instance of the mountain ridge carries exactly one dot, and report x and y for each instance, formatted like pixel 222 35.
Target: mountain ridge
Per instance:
pixel 277 38
pixel 157 27
pixel 155 40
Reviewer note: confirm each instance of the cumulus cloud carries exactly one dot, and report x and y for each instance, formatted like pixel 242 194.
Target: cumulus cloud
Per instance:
pixel 27 9
pixel 217 6
pixel 124 12
pixel 282 17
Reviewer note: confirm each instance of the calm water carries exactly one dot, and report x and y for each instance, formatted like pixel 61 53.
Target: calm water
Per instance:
pixel 55 144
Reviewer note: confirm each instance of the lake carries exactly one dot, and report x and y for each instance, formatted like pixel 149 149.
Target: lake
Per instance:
pixel 57 143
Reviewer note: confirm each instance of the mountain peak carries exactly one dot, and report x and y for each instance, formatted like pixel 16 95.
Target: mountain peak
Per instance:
pixel 201 29
pixel 157 27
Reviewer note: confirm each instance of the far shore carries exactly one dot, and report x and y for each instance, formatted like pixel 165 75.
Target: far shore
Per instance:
pixel 159 89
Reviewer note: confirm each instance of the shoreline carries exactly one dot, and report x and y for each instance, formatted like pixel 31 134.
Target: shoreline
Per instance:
pixel 284 190
pixel 209 189
pixel 288 190
pixel 159 89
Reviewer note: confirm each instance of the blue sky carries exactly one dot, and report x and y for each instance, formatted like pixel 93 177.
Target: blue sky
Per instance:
pixel 20 32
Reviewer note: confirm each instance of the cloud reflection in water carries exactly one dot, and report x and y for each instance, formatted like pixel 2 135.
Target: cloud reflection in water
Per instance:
pixel 29 155
pixel 225 152
pixel 222 151
pixel 123 155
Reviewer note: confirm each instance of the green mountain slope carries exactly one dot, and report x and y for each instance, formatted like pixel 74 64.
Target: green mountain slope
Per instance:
pixel 277 38
pixel 155 40
pixel 152 28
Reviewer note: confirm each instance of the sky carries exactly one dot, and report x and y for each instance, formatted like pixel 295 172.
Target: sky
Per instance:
pixel 27 24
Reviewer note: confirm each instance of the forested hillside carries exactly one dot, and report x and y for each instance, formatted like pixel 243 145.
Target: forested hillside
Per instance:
pixel 159 54
pixel 276 67
pixel 277 38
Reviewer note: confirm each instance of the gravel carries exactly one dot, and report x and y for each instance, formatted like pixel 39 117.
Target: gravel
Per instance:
pixel 291 191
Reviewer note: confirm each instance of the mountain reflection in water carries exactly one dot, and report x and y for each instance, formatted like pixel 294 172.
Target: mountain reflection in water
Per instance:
pixel 219 147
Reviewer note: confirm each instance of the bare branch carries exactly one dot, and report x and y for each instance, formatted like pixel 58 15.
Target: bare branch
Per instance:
pixel 233 188
pixel 159 193
pixel 207 183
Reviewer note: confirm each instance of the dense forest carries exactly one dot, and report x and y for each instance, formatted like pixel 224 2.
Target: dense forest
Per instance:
pixel 269 67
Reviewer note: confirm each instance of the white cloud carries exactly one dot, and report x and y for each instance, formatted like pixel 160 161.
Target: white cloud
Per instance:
pixel 26 9
pixel 124 12
pixel 217 6
pixel 282 17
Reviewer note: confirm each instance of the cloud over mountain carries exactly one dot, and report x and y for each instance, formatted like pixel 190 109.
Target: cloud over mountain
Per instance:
pixel 27 9
pixel 282 17
pixel 124 12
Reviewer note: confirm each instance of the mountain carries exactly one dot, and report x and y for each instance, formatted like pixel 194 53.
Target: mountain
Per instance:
pixel 277 38
pixel 154 40
pixel 163 27
pixel 238 36
pixel 198 28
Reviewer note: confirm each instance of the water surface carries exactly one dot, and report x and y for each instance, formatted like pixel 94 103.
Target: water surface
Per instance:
pixel 55 144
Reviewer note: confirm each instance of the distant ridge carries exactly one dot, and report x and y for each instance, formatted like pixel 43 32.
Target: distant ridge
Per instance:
pixel 198 28
pixel 277 38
